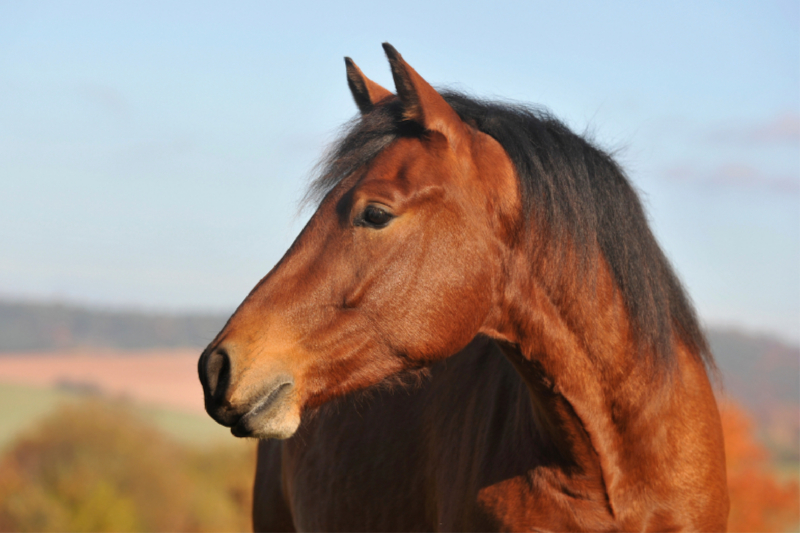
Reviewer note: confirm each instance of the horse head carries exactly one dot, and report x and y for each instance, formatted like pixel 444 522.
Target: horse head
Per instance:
pixel 401 265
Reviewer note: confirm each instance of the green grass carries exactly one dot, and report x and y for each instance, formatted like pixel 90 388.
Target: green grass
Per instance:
pixel 21 406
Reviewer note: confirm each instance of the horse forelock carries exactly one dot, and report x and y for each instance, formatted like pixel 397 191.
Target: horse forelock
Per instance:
pixel 573 190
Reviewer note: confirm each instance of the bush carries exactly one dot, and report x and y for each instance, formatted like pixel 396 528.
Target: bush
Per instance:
pixel 760 499
pixel 94 466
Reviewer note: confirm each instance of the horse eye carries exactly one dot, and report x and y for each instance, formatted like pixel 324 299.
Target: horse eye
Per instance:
pixel 375 217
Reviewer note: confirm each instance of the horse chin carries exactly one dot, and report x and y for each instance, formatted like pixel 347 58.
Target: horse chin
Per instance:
pixel 275 416
pixel 274 428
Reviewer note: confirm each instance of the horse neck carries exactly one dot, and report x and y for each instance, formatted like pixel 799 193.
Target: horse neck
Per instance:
pixel 600 396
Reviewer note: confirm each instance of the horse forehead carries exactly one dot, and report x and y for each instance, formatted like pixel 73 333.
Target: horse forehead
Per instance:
pixel 410 161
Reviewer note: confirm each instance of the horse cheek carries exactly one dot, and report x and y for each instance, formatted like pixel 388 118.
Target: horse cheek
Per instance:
pixel 451 315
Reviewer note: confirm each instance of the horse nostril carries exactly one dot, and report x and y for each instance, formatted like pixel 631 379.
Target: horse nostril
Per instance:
pixel 218 372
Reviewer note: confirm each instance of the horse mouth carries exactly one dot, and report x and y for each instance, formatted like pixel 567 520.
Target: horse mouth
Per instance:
pixel 260 421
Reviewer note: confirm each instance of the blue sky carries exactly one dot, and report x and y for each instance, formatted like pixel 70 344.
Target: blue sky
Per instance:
pixel 152 154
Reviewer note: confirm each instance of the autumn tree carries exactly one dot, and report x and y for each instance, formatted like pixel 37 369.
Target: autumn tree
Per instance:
pixel 760 501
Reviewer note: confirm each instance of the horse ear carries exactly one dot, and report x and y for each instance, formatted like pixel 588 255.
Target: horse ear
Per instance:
pixel 421 103
pixel 366 92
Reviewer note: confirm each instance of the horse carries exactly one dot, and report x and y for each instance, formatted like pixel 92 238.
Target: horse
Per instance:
pixel 476 330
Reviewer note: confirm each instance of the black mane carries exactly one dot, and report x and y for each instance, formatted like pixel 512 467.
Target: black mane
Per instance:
pixel 574 190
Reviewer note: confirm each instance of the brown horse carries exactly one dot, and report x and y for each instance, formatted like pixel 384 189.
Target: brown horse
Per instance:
pixel 527 359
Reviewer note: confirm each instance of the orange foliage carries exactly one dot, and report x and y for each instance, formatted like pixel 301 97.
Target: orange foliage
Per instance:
pixel 759 500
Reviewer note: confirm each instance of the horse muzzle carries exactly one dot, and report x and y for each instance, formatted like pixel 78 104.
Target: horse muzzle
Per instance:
pixel 267 409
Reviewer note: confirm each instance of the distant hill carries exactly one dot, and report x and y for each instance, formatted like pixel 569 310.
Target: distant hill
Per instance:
pixel 29 327
pixel 763 374
pixel 752 364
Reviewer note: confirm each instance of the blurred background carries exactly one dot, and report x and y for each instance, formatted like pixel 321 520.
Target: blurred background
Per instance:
pixel 152 159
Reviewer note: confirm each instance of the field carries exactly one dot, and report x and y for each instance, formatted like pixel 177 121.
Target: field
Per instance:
pixel 161 385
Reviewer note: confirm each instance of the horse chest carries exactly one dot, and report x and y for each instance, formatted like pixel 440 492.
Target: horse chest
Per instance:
pixel 424 458
pixel 337 490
